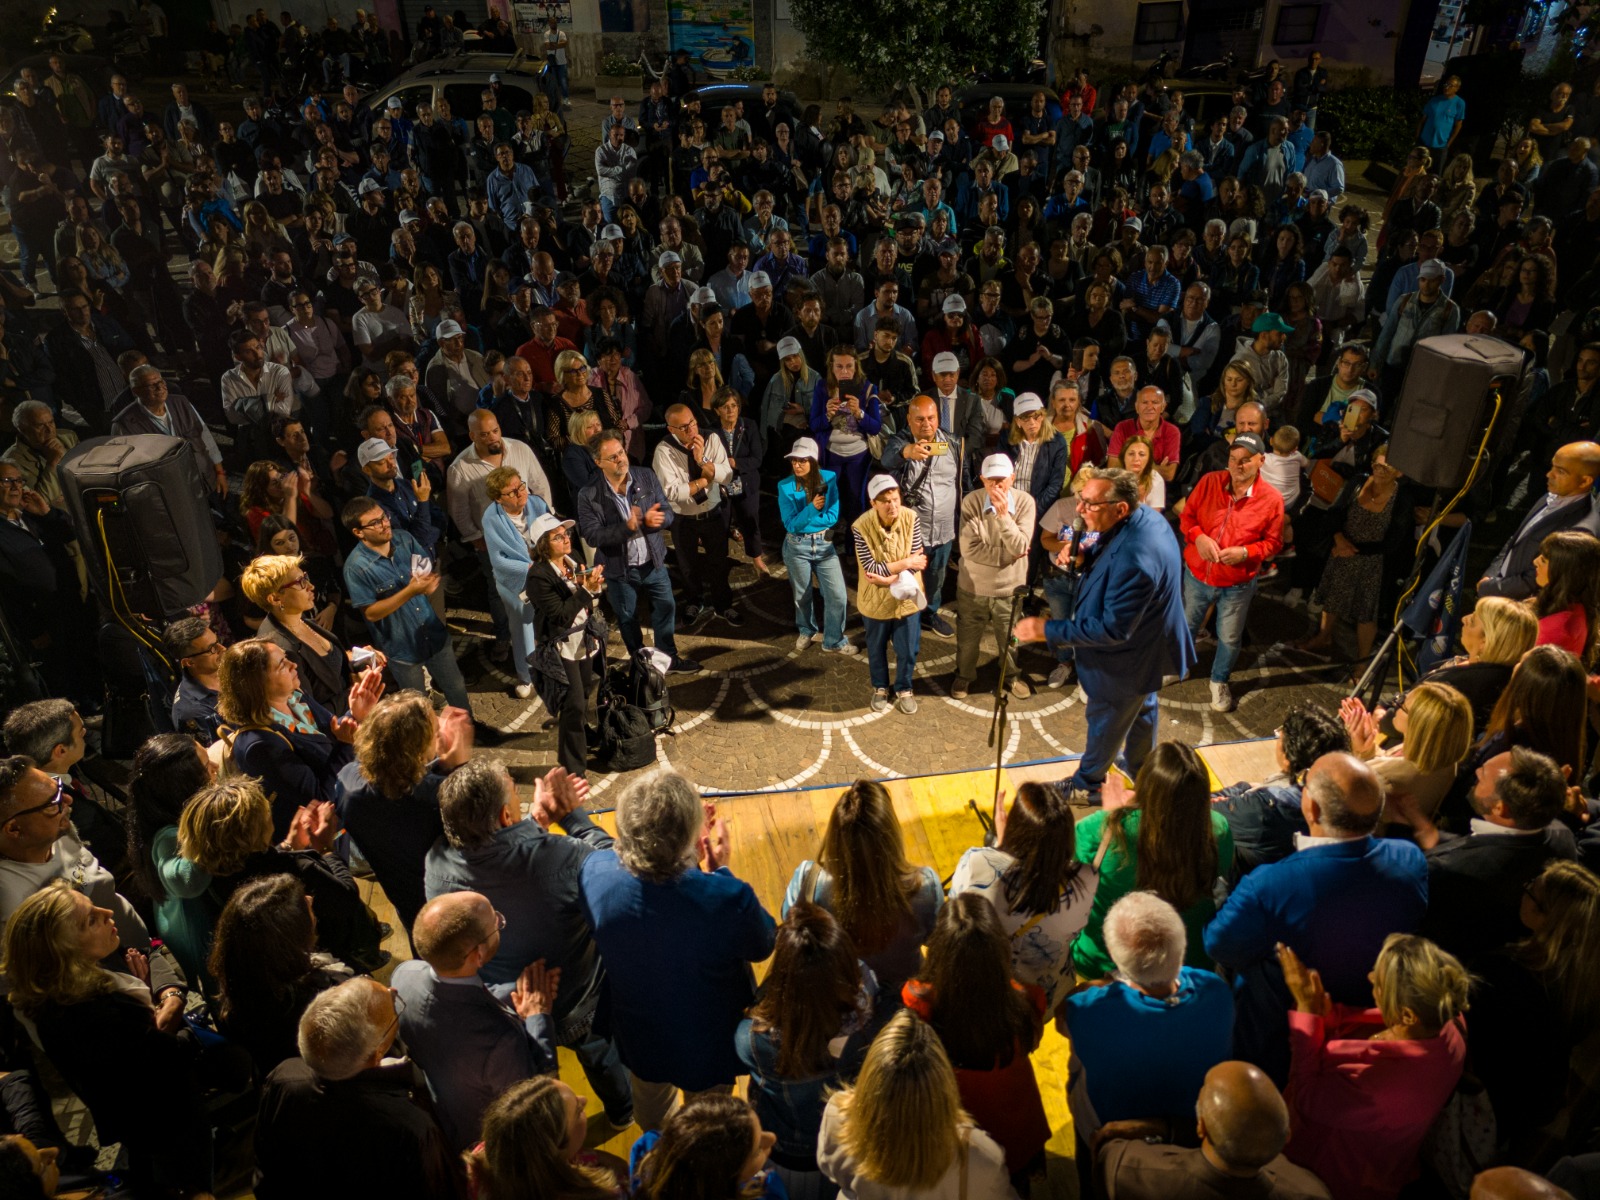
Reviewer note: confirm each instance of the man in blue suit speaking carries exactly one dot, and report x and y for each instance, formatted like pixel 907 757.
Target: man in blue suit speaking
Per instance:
pixel 1127 630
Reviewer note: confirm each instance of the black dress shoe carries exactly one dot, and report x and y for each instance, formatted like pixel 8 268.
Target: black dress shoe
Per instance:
pixel 487 735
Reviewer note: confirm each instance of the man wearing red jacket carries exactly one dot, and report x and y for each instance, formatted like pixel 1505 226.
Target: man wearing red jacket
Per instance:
pixel 1232 525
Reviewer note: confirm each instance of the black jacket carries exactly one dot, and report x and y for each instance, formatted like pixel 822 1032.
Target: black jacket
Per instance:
pixel 38 583
pixel 373 1135
pixel 555 607
pixel 1475 887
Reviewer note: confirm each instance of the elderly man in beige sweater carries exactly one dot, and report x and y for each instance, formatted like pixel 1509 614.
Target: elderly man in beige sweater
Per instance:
pixel 996 529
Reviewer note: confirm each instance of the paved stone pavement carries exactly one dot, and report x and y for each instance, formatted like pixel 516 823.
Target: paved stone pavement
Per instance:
pixel 764 716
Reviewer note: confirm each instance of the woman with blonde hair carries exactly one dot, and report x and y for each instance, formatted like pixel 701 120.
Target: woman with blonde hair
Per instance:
pixel 127 1054
pixel 1435 722
pixel 886 904
pixel 226 830
pixel 100 259
pixel 1458 186
pixel 389 799
pixel 703 385
pixel 1365 1086
pixel 574 395
pixel 533 1135
pixel 1494 637
pixel 279 585
pixel 261 230
pixel 900 1132
pixel 845 412
pixel 1039 451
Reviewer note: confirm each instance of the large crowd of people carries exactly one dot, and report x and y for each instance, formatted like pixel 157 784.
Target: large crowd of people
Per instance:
pixel 1112 368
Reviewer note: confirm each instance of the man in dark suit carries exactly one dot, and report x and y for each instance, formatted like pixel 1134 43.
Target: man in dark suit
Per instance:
pixel 345 1091
pixel 623 515
pixel 1475 881
pixel 472 1041
pixel 1334 901
pixel 1128 629
pixel 1568 505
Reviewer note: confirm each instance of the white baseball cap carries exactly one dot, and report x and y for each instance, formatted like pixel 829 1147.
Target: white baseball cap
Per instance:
pixel 1026 403
pixel 807 448
pixel 954 303
pixel 760 279
pixel 879 484
pixel 998 466
pixel 1001 143
pixel 545 522
pixel 668 257
pixel 371 450
pixel 788 346
pixel 368 185
pixel 703 295
pixel 407 217
pixel 612 233
pixel 396 102
pixel 945 361
pixel 449 329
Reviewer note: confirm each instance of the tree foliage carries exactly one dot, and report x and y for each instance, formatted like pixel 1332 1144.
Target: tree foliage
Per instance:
pixel 918 43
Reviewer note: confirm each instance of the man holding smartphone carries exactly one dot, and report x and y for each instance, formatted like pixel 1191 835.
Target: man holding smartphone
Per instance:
pixel 382 581
pixel 405 503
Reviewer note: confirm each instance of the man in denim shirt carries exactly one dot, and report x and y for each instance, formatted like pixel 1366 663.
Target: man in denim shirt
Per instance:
pixel 384 584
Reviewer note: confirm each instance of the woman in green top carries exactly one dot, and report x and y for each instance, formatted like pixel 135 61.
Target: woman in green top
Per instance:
pixel 1166 840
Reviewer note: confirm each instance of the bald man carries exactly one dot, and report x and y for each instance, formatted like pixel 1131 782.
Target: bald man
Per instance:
pixel 1340 894
pixel 1569 504
pixel 471 1040
pixel 1513 1183
pixel 1243 1125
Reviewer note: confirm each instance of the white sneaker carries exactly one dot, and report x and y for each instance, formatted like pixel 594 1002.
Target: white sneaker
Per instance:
pixel 1060 677
pixel 522 690
pixel 1168 680
pixel 844 648
pixel 801 641
pixel 1221 697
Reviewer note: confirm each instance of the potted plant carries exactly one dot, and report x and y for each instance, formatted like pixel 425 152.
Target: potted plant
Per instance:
pixel 618 76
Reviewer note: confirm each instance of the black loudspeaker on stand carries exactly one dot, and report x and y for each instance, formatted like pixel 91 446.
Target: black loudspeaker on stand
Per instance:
pixel 1445 403
pixel 144 523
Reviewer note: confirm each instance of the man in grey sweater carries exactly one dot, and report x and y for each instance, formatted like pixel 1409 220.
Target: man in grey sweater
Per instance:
pixel 996 531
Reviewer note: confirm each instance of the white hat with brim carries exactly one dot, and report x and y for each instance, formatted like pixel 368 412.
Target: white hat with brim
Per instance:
pixel 1026 403
pixel 371 450
pixel 997 466
pixel 449 329
pixel 545 523
pixel 806 448
pixel 788 346
pixel 880 484
pixel 944 362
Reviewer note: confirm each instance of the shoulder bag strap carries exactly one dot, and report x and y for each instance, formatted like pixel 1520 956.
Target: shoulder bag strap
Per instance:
pixel 808 883
pixel 1105 843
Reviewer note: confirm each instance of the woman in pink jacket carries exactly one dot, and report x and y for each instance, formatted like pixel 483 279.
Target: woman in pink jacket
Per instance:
pixel 1365 1086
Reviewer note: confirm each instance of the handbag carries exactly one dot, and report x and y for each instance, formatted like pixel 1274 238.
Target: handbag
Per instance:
pixel 1326 482
pixel 1462 1141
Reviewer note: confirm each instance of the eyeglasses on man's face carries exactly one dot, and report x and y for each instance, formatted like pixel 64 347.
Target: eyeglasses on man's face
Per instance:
pixel 51 806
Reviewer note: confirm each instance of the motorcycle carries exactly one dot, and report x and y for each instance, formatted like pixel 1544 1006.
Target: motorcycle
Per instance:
pixel 59 35
pixel 1221 69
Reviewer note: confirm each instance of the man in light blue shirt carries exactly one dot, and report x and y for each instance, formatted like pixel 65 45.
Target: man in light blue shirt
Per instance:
pixel 1442 116
pixel 507 187
pixel 1322 170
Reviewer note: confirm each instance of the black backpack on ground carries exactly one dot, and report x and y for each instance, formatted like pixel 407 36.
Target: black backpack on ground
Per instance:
pixel 647 688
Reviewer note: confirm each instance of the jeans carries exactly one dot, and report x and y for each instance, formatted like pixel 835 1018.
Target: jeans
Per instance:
pixel 446 674
pixel 1119 723
pixel 906 633
pixel 973 612
pixel 624 596
pixel 497 607
pixel 608 209
pixel 560 70
pixel 603 1068
pixel 938 568
pixel 1233 603
pixel 1057 594
pixel 806 554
